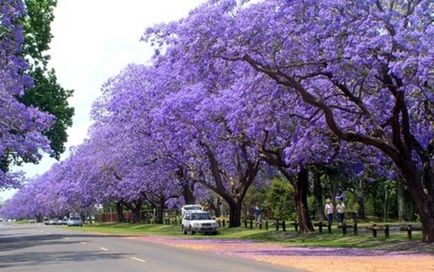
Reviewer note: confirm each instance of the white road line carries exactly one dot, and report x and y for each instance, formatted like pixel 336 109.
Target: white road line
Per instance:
pixel 139 260
pixel 103 248
pixel 48 232
pixel 66 238
pixel 83 243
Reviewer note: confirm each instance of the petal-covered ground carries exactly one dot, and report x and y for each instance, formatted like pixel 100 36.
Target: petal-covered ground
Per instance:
pixel 310 259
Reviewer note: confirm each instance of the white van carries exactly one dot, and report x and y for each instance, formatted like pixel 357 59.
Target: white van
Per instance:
pixel 198 221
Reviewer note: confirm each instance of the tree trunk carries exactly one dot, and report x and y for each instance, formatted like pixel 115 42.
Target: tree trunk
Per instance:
pixel 215 205
pixel 361 201
pixel 187 185
pixel 300 199
pixel 136 211
pixel 188 194
pixel 333 188
pixel 400 200
pixel 120 211
pixel 89 215
pixel 301 187
pixel 218 207
pixel 386 201
pixel 422 197
pixel 318 194
pixel 160 211
pixel 234 214
pixel 83 216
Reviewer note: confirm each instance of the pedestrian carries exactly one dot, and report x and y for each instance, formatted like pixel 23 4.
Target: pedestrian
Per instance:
pixel 340 209
pixel 328 211
pixel 258 214
pixel 339 196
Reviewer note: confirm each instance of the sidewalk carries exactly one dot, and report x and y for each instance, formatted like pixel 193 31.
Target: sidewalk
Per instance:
pixel 310 259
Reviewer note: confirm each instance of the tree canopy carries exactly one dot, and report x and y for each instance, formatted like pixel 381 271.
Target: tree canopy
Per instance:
pixel 46 94
pixel 305 85
pixel 21 127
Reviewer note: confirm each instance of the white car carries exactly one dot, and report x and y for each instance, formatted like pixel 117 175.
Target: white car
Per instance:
pixel 198 221
pixel 74 221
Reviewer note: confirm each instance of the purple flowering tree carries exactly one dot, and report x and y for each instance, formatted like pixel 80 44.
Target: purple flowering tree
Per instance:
pixel 194 123
pixel 21 127
pixel 365 65
pixel 144 171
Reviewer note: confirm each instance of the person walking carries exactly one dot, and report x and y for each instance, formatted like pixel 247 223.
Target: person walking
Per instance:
pixel 258 214
pixel 340 209
pixel 328 211
pixel 339 196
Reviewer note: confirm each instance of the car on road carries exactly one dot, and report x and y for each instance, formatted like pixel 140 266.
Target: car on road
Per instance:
pixel 198 221
pixel 74 221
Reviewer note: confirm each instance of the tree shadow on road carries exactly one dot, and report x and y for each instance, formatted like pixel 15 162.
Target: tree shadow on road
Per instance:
pixel 21 241
pixel 42 258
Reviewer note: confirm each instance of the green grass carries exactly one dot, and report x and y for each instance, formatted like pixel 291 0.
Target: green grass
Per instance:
pixel 397 240
pixel 132 229
pixel 22 222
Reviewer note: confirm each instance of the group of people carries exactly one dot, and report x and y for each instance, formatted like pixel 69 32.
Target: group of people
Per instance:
pixel 329 209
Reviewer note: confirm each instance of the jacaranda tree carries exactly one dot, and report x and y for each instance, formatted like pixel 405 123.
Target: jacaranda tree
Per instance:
pixel 21 127
pixel 298 84
pixel 365 65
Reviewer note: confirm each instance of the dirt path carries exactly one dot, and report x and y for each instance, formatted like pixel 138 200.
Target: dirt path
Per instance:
pixel 310 259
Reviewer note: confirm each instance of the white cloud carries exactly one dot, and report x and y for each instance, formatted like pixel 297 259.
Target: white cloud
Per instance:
pixel 93 40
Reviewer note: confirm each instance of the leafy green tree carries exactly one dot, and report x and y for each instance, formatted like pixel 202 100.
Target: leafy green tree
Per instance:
pixel 46 94
pixel 279 199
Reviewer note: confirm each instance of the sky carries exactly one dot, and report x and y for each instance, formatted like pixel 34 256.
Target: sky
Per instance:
pixel 93 40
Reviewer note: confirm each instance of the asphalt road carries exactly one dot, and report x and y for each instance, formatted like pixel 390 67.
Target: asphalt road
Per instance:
pixel 36 247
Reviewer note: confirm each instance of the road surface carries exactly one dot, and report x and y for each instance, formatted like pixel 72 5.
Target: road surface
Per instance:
pixel 37 247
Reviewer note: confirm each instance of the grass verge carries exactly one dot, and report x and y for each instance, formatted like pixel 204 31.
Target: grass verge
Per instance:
pixel 397 241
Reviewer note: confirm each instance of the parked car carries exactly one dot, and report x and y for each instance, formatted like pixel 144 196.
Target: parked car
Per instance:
pixel 198 221
pixel 190 207
pixel 53 221
pixel 74 221
pixel 63 221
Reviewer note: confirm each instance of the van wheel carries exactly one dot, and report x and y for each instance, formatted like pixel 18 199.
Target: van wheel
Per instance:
pixel 183 230
pixel 190 231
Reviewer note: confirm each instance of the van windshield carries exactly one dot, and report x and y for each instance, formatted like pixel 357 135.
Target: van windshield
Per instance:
pixel 200 216
pixel 74 218
pixel 189 208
